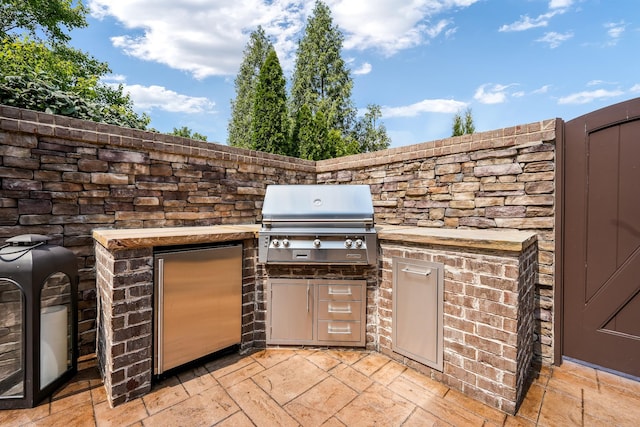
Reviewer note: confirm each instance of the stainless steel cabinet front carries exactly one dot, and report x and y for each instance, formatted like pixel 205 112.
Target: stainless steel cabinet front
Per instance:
pixel 417 319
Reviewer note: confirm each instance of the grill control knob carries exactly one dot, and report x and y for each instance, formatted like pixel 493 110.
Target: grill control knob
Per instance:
pixel 316 243
pixel 348 243
pixel 358 243
pixel 275 242
pixel 285 243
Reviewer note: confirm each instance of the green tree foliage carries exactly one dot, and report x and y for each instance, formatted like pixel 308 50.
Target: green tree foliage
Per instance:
pixel 270 125
pixel 255 53
pixel 48 17
pixel 321 79
pixel 186 132
pixel 370 134
pixel 462 127
pixel 51 76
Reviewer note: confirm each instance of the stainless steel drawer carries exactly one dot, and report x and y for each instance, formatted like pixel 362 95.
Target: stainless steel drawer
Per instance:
pixel 341 292
pixel 339 331
pixel 339 310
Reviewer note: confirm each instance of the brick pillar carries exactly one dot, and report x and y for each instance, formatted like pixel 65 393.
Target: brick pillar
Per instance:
pixel 124 280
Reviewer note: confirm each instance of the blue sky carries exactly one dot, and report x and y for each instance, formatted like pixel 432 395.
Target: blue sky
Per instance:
pixel 511 61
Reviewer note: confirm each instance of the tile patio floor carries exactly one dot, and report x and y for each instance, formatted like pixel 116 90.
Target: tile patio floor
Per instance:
pixel 332 388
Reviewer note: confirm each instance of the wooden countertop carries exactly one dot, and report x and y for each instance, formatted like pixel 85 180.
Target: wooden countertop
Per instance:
pixel 503 240
pixel 132 238
pixel 512 241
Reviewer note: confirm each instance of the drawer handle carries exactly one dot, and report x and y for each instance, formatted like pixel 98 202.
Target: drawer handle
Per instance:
pixel 340 309
pixel 339 331
pixel 421 273
pixel 339 291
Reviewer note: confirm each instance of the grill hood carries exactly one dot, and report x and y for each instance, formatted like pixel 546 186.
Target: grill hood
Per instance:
pixel 317 224
pixel 306 204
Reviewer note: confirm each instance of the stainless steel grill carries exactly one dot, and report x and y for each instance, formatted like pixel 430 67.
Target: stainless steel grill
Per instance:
pixel 317 224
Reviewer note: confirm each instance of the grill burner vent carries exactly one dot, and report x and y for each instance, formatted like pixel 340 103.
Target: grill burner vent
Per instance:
pixel 317 224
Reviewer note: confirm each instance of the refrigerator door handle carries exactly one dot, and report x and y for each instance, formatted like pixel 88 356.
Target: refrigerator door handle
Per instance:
pixel 160 314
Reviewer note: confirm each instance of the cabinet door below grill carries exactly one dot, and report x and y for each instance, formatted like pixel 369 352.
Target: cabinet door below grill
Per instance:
pixel 290 312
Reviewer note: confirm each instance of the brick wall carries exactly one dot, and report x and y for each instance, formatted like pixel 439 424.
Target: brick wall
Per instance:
pixel 503 179
pixel 488 319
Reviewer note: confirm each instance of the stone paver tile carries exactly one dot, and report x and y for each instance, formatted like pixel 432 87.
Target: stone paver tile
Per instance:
pixel 487 412
pixel 72 394
pixel 240 375
pixel 258 406
pixel 165 394
pixel 432 386
pixel 226 365
pixel 239 419
pixel 560 409
pixel 272 357
pixel 435 404
pixel 18 417
pixel 122 415
pixel 346 356
pixel 388 373
pixel 286 381
pixel 570 383
pixel 321 402
pixel 422 418
pixel 376 406
pixel 204 409
pixel 354 379
pixel 74 416
pixel 371 363
pixel 197 380
pixel 518 421
pixel 575 369
pixel 611 381
pixel 333 422
pixel 323 360
pixel 530 406
pixel 612 407
pixel 98 392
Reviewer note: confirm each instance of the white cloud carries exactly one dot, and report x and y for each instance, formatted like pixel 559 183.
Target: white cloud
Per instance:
pixel 599 82
pixel 556 7
pixel 207 37
pixel 588 96
pixel 115 78
pixel 152 97
pixel 543 89
pixel 614 31
pixel 389 25
pixel 560 4
pixel 492 93
pixel 554 39
pixel 635 88
pixel 364 69
pixel 425 106
pixel 204 38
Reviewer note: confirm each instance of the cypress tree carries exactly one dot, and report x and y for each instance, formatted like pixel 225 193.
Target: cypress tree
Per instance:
pixel 270 125
pixel 321 79
pixel 255 53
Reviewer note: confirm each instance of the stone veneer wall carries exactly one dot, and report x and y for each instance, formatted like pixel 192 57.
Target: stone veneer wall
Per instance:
pixel 64 177
pixel 488 319
pixel 503 179
pixel 125 318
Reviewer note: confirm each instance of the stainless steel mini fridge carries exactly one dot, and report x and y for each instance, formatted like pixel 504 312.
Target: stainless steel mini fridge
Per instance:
pixel 198 303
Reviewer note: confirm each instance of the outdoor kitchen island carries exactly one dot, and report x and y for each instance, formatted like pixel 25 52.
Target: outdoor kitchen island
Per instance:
pixel 488 310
